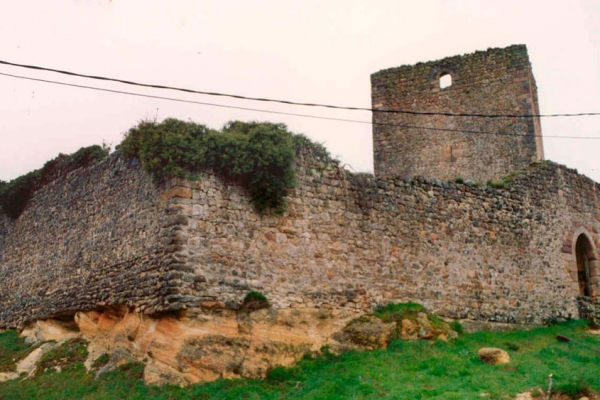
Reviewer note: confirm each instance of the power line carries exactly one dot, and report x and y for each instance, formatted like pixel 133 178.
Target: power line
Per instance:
pixel 288 113
pixel 236 96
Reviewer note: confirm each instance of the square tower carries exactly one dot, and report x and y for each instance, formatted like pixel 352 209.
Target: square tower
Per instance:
pixel 476 148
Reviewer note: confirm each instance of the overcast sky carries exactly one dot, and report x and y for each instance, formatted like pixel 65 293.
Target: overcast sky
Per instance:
pixel 308 51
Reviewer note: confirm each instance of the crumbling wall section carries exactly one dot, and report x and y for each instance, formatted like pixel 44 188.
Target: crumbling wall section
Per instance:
pixel 496 81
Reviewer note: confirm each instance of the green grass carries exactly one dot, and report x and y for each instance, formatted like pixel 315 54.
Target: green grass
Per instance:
pixel 406 370
pixel 101 361
pixel 12 349
pixel 398 311
pixel 66 355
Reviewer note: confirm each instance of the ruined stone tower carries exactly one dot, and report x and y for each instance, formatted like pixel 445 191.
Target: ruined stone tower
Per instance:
pixel 496 81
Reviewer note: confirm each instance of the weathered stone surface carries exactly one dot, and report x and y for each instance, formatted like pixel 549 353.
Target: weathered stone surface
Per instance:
pixel 367 332
pixel 589 308
pixel 493 356
pixel 28 365
pixel 107 235
pixel 107 238
pixel 496 81
pixel 8 376
pixel 96 237
pixel 208 346
pixel 50 330
pixel 464 252
pixel 524 396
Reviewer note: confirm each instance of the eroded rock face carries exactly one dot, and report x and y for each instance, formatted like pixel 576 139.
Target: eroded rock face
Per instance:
pixel 28 364
pixel 218 342
pixel 367 332
pixel 214 344
pixel 8 376
pixel 50 329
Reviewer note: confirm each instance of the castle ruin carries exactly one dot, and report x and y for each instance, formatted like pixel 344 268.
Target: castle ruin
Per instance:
pixel 524 252
pixel 475 148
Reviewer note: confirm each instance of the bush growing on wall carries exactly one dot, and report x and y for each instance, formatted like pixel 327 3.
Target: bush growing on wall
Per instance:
pixel 259 155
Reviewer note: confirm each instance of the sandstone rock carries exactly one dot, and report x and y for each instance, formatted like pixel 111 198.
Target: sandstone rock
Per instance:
pixel 211 345
pixel 409 330
pixel 50 329
pixel 493 356
pixel 524 396
pixel 94 353
pixel 421 328
pixel 160 374
pixel 367 331
pixel 8 376
pixel 29 363
pixel 425 329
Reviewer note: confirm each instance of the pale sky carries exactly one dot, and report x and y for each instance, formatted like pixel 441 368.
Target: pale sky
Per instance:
pixel 306 50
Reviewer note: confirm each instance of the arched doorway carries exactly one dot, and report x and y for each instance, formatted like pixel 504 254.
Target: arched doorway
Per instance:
pixel 586 265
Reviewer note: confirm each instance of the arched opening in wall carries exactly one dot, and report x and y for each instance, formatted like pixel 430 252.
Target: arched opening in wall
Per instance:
pixel 585 258
pixel 445 81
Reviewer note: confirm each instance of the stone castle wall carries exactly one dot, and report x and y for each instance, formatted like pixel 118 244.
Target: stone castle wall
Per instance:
pixel 497 81
pixel 95 237
pixel 107 235
pixel 351 242
pixel 6 225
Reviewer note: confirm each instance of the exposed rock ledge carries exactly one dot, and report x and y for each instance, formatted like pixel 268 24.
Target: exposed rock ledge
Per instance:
pixel 217 342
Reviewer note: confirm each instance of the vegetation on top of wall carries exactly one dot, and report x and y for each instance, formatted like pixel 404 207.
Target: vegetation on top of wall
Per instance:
pixel 259 155
pixel 15 195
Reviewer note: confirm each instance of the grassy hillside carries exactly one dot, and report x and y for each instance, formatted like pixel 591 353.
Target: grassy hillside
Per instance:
pixel 406 370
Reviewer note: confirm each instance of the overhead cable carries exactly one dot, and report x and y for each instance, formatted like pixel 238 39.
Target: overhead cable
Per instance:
pixel 288 113
pixel 236 96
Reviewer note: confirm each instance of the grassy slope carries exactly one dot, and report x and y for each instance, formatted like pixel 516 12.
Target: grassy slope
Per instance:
pixel 12 349
pixel 407 370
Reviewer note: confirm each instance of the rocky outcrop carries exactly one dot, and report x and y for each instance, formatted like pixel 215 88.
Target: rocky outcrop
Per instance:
pixel 373 331
pixel 217 343
pixel 27 366
pixel 50 330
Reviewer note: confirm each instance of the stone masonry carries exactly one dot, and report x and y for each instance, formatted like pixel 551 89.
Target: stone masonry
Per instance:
pixel 523 252
pixel 107 235
pixel 496 81
pixel 96 237
pixel 503 255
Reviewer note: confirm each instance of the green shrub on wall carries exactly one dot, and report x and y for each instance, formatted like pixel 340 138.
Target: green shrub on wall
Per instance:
pixel 259 155
pixel 15 194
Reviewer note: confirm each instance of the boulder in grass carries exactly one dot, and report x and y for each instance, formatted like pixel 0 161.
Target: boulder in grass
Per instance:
pixel 493 356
